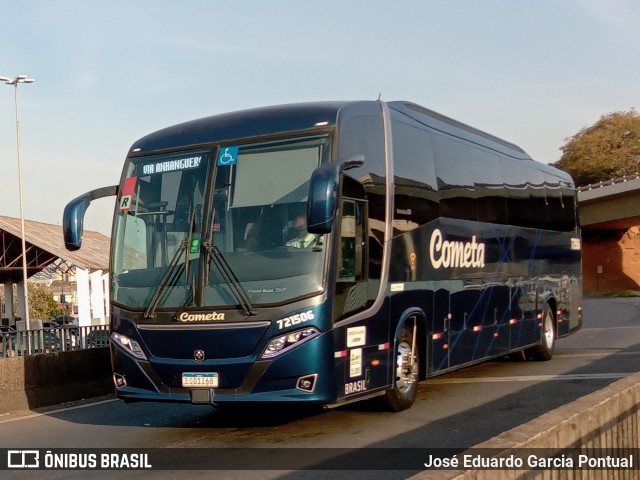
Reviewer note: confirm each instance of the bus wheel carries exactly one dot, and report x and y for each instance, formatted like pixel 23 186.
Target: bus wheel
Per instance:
pixel 405 386
pixel 544 351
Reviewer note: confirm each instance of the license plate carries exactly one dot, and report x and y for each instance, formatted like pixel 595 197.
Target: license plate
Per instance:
pixel 200 380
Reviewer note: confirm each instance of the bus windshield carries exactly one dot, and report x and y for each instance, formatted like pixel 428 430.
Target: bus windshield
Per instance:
pixel 242 241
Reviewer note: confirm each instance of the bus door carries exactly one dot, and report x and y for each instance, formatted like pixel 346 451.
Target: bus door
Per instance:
pixel 362 347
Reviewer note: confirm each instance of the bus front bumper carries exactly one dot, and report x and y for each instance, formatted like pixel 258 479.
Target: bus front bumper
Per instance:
pixel 298 376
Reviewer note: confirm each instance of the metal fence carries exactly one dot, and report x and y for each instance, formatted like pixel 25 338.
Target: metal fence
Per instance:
pixel 65 338
pixel 612 181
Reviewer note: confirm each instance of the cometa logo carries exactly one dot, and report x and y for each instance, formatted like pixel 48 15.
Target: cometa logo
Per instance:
pixel 446 254
pixel 200 317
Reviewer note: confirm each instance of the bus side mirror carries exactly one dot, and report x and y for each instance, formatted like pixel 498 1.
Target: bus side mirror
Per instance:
pixel 73 216
pixel 323 194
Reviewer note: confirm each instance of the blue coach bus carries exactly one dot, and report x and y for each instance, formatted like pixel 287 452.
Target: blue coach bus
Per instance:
pixel 328 252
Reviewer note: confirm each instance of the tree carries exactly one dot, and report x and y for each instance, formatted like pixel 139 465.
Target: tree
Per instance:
pixel 42 305
pixel 608 149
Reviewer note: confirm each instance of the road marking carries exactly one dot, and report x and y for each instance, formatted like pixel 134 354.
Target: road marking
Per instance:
pixel 595 354
pixel 51 412
pixel 533 378
pixel 626 327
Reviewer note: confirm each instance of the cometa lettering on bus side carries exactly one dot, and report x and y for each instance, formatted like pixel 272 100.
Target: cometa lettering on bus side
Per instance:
pixel 200 317
pixel 455 254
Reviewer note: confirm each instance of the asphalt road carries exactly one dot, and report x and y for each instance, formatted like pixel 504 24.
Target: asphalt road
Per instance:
pixel 453 411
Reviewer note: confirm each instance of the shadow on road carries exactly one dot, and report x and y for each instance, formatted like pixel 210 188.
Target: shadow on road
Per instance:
pixel 297 428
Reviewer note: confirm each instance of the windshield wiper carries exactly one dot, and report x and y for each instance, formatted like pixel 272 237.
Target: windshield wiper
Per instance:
pixel 230 278
pixel 190 297
pixel 170 276
pixel 173 272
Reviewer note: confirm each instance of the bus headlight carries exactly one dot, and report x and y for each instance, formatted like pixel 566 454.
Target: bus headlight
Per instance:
pixel 129 345
pixel 286 342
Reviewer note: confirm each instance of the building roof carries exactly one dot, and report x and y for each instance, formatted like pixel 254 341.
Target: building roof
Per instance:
pixel 44 245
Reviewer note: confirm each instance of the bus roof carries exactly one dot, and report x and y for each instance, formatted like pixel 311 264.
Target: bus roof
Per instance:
pixel 449 126
pixel 272 120
pixel 241 124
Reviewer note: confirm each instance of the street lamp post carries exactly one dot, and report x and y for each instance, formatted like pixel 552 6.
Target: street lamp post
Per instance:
pixel 15 81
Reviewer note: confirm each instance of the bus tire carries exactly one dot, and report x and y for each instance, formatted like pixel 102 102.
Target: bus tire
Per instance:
pixel 404 390
pixel 544 351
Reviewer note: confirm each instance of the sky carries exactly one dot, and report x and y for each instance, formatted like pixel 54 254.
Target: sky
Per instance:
pixel 107 73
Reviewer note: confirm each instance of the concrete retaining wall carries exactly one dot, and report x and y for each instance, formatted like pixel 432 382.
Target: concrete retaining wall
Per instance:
pixel 608 419
pixel 37 381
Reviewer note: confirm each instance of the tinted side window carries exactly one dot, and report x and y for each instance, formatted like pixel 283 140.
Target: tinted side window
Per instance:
pixel 569 202
pixel 364 135
pixel 517 194
pixel 491 204
pixel 562 208
pixel 539 214
pixel 415 201
pixel 455 178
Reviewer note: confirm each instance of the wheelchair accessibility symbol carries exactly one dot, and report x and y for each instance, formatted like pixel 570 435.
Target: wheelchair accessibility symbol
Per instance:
pixel 227 156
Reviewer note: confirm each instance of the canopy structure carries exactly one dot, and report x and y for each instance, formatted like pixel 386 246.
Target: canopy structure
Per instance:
pixel 46 254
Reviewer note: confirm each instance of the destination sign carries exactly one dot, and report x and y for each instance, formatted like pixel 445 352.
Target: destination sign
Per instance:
pixel 172 165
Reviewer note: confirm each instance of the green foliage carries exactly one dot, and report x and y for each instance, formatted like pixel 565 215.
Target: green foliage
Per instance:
pixel 42 305
pixel 608 149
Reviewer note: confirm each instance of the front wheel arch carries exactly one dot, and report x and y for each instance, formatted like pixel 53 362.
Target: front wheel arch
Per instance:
pixel 408 360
